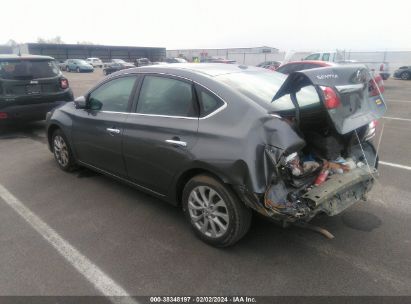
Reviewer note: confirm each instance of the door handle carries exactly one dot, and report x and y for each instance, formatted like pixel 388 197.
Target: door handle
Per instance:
pixel 177 142
pixel 112 130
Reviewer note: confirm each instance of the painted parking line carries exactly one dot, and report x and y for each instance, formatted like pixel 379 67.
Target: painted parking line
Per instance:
pixel 397 100
pixel 397 118
pixel 394 165
pixel 101 281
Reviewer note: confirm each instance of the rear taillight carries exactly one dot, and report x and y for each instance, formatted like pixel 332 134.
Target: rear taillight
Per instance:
pixel 64 84
pixel 4 115
pixel 331 99
pixel 371 130
pixel 373 90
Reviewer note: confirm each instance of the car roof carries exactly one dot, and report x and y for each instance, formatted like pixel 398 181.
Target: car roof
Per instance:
pixel 24 56
pixel 208 69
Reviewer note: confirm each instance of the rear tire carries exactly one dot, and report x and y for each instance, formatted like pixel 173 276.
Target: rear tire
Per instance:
pixel 214 212
pixel 405 75
pixel 62 152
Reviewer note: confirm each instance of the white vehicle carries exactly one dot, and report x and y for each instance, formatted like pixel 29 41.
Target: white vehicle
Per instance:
pixel 95 62
pixel 339 57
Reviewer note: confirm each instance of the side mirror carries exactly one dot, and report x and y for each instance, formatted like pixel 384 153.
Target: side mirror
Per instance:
pixel 80 102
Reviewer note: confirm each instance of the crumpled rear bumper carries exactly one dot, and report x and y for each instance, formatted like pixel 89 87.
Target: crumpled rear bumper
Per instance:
pixel 340 191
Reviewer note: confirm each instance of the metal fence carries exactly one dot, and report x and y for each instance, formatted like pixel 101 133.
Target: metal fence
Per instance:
pixel 395 59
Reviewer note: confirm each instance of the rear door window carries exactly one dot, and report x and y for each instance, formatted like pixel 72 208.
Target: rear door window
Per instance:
pixel 28 69
pixel 208 101
pixel 166 96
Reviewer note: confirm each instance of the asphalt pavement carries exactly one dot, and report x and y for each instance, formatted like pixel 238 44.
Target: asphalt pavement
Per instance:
pixel 84 234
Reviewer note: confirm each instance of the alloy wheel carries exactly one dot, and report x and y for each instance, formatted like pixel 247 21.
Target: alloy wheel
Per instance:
pixel 61 151
pixel 208 211
pixel 405 76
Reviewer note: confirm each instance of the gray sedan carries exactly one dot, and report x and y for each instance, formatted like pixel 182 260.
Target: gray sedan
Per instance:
pixel 223 140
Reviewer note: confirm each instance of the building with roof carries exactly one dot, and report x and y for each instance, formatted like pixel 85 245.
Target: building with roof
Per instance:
pixel 6 49
pixel 82 51
pixel 227 53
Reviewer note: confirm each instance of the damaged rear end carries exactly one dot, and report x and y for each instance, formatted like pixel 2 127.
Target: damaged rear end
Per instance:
pixel 336 165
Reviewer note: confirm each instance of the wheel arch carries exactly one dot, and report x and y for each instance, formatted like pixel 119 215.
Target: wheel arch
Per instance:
pixel 188 174
pixel 50 130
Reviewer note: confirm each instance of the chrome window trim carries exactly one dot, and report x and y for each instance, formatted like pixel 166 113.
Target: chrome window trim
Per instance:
pixel 113 112
pixel 219 109
pixel 165 116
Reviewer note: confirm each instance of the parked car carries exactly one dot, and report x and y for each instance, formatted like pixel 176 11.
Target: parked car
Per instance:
pixel 339 57
pixel 142 62
pixel 78 65
pixel 403 72
pixel 62 64
pixel 270 65
pixel 222 140
pixel 175 60
pixel 95 62
pixel 159 63
pixel 116 65
pixel 218 60
pixel 30 86
pixel 295 66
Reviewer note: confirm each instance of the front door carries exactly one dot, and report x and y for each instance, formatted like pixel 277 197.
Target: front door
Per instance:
pixel 98 130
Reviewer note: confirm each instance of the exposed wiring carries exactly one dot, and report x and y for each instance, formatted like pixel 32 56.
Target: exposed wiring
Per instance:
pixel 365 157
pixel 379 142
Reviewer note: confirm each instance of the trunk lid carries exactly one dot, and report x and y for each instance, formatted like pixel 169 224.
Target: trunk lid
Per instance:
pixel 352 107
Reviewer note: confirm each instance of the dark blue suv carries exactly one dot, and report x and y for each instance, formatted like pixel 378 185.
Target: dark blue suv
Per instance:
pixel 30 86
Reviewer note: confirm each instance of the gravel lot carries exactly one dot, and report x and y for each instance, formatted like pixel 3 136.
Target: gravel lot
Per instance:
pixel 146 247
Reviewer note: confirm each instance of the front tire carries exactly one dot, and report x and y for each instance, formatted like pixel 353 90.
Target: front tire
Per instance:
pixel 62 152
pixel 67 69
pixel 405 76
pixel 78 70
pixel 214 212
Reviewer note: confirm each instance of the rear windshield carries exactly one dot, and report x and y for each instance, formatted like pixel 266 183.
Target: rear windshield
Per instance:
pixel 28 69
pixel 263 85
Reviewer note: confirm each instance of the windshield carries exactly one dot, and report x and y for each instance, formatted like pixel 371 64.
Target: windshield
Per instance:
pixel 119 61
pixel 263 85
pixel 28 69
pixel 81 62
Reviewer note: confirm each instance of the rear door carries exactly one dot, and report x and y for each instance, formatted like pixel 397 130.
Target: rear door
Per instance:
pixel 161 131
pixel 98 131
